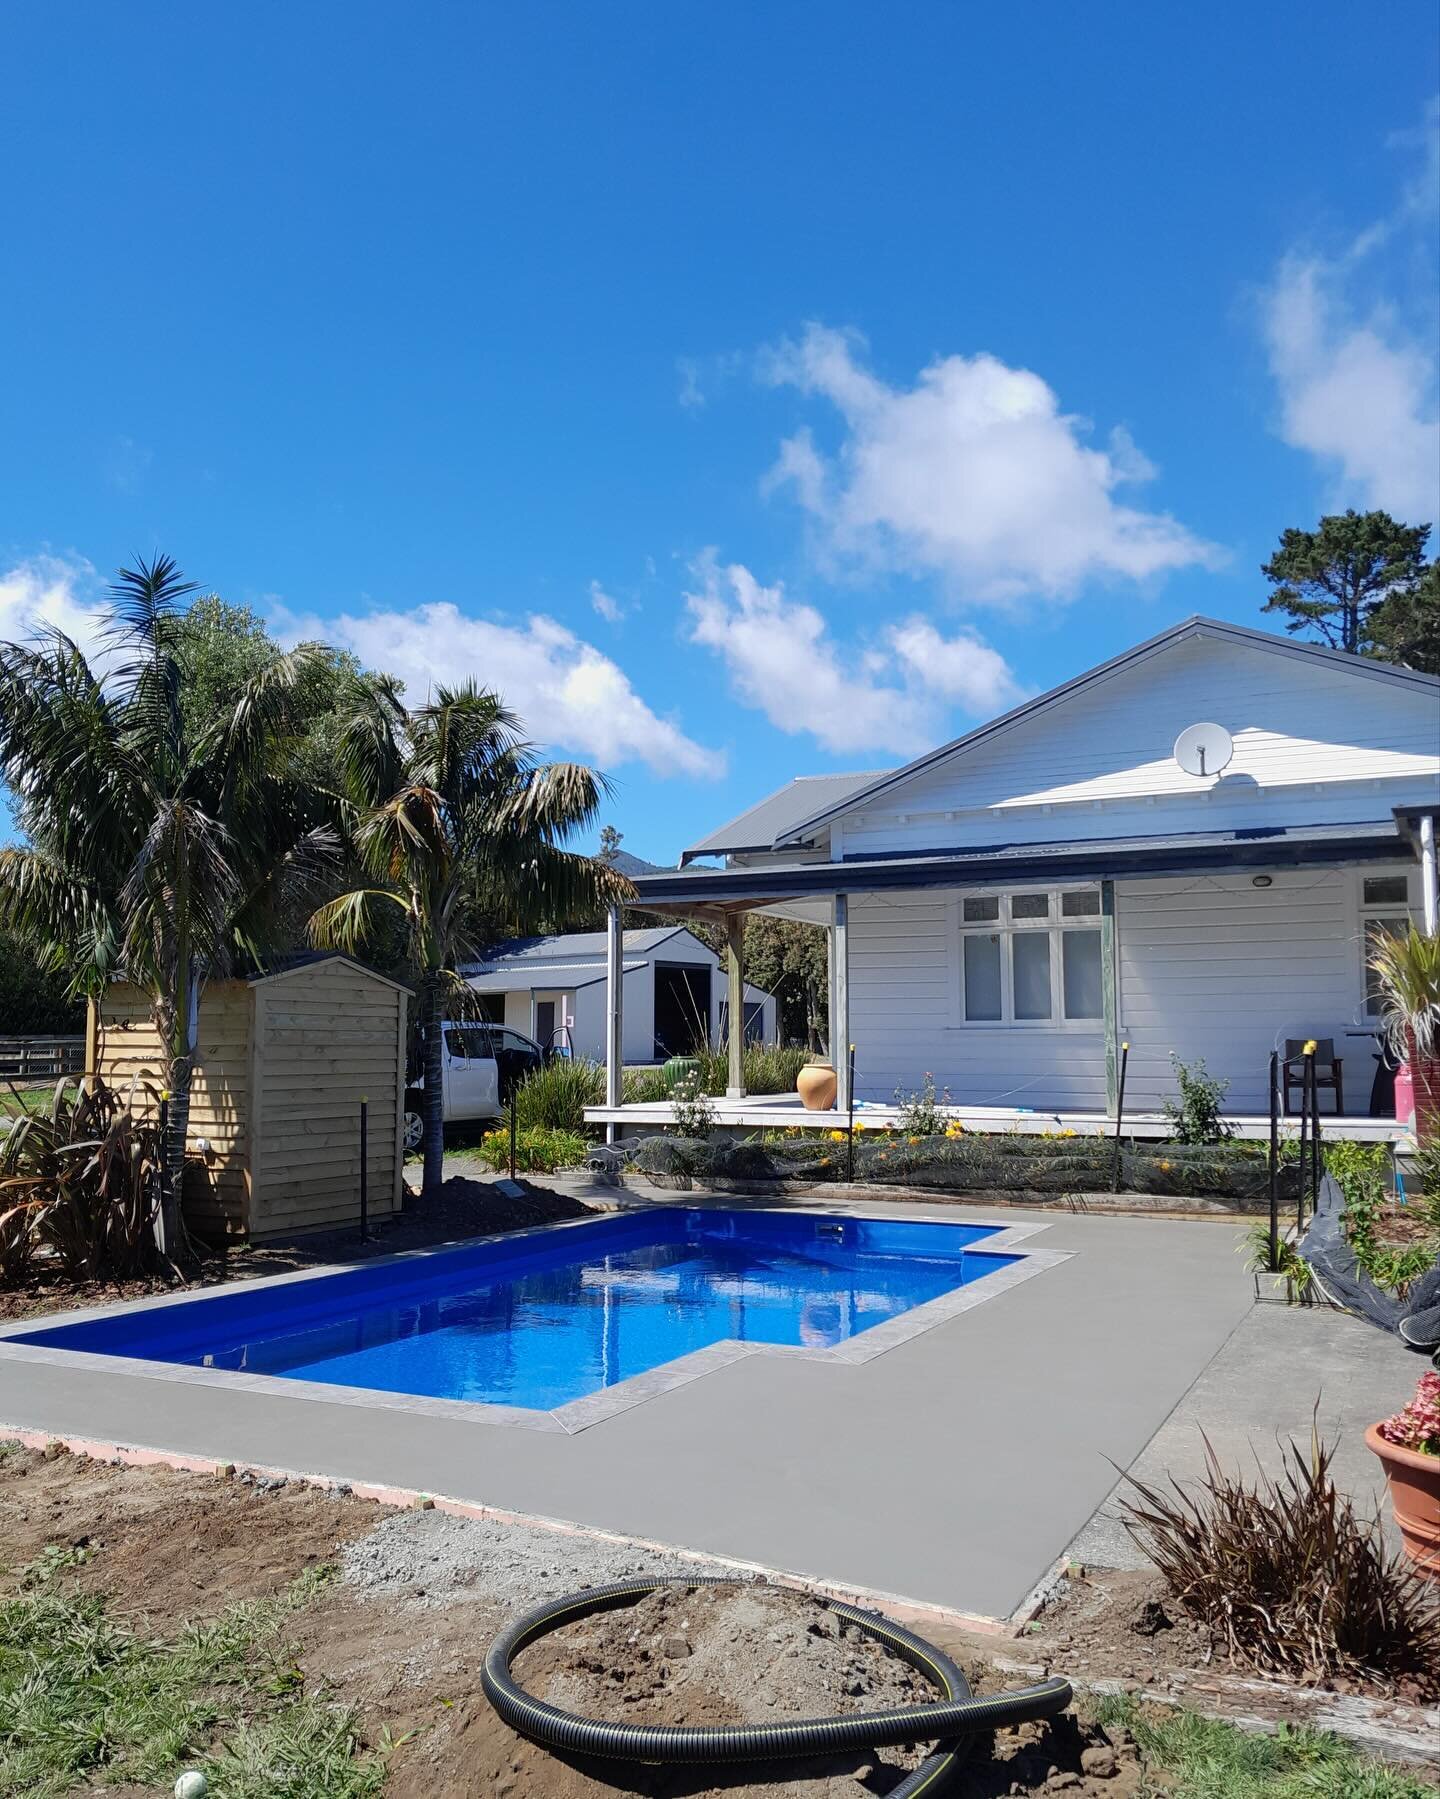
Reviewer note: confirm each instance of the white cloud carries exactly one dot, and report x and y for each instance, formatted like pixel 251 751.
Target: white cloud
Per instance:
pixel 53 593
pixel 893 695
pixel 692 394
pixel 973 474
pixel 1357 394
pixel 565 691
pixel 606 604
pixel 1355 374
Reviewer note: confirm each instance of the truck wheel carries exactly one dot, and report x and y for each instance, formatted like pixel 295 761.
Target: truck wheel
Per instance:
pixel 414 1131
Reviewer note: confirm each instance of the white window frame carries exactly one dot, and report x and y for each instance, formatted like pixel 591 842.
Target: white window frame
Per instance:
pixel 1365 912
pixel 1007 927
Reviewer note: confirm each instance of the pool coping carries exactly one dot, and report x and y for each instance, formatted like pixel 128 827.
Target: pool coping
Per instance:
pixel 577 1414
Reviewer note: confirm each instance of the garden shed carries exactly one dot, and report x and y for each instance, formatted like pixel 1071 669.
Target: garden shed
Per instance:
pixel 282 1062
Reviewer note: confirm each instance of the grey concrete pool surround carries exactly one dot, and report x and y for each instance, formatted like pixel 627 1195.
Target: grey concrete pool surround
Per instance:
pixel 954 1468
pixel 575 1415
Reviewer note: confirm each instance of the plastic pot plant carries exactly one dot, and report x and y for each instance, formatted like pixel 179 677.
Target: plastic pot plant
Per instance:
pixel 1408 1446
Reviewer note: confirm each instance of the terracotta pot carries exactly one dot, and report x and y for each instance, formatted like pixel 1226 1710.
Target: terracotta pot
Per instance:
pixel 816 1085
pixel 1414 1482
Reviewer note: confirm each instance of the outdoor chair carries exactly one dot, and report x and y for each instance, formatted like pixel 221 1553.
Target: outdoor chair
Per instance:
pixel 1327 1071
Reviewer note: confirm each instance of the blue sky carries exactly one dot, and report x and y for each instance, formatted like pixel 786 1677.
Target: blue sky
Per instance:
pixel 746 391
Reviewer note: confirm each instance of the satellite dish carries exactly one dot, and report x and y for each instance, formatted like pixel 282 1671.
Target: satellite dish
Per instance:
pixel 1204 749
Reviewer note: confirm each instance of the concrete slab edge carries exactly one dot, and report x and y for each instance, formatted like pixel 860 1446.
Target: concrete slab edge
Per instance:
pixel 918 1613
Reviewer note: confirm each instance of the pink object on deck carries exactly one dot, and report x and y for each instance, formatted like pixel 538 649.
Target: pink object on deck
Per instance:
pixel 1404 1096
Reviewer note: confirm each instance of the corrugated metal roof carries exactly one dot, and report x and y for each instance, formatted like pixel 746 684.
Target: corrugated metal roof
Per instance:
pixel 572 948
pixel 522 978
pixel 763 825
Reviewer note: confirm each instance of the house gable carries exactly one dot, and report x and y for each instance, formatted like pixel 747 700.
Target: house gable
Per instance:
pixel 1317 739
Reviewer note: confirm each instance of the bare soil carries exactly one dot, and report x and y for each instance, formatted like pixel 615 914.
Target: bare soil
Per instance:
pixel 463 1208
pixel 167 1547
pixel 1122 1624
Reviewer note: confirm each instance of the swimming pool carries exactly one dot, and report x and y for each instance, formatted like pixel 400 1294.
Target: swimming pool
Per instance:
pixel 549 1317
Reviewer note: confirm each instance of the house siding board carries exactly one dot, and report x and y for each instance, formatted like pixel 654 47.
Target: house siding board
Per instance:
pixel 1102 760
pixel 905 1020
pixel 1220 969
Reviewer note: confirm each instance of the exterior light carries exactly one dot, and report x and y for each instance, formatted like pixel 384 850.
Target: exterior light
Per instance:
pixel 1262 880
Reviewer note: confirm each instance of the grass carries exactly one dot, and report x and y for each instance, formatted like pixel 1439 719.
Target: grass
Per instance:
pixel 17 1102
pixel 1190 1757
pixel 88 1701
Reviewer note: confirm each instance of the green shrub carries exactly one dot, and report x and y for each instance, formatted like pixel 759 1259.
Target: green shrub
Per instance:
pixel 921 1113
pixel 555 1096
pixel 644 1087
pixel 538 1149
pixel 1362 1173
pixel 766 1070
pixel 1196 1117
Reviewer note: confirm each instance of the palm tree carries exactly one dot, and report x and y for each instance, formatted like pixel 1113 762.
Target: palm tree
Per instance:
pixel 456 821
pixel 156 851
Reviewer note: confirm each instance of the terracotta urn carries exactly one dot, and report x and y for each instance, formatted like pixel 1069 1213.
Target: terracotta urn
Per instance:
pixel 1414 1482
pixel 816 1084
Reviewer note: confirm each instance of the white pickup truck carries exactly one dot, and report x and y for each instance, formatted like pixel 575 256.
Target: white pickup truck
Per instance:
pixel 481 1065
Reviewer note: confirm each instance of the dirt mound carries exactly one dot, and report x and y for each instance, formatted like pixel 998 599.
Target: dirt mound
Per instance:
pixel 718 1655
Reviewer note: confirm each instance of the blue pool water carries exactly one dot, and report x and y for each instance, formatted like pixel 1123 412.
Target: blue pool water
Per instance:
pixel 549 1318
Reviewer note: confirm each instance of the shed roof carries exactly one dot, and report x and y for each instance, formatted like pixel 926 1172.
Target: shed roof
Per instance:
pixel 284 966
pixel 572 948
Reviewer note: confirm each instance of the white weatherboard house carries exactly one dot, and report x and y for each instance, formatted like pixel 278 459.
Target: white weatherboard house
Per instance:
pixel 553 989
pixel 1091 870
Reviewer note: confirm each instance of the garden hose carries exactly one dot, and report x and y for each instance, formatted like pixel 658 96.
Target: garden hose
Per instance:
pixel 949 1721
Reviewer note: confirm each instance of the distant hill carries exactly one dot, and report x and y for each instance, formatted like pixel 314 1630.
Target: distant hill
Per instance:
pixel 634 865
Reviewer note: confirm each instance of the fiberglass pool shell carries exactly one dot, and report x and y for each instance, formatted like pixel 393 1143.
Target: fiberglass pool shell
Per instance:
pixel 551 1316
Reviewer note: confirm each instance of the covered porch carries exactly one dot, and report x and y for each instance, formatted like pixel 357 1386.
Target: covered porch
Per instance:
pixel 1026 981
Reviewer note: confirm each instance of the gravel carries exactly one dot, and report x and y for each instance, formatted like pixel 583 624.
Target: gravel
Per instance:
pixel 432 1558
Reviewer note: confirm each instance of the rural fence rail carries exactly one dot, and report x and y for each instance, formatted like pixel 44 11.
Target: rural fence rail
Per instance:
pixel 41 1058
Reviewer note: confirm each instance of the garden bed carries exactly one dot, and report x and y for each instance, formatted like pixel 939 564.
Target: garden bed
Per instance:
pixel 1061 1164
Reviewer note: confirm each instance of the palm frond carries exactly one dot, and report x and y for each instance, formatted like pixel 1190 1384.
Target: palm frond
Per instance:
pixel 144 632
pixel 553 800
pixel 345 923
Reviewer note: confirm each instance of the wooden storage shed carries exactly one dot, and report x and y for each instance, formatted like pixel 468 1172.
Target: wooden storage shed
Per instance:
pixel 281 1064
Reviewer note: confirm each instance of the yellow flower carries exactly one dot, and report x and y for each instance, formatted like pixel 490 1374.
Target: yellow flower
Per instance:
pixel 859 1124
pixel 837 1136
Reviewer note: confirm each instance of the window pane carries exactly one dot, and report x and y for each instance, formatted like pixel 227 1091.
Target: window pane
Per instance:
pixel 1032 974
pixel 1375 930
pixel 1080 905
pixel 1030 905
pixel 1080 971
pixel 1387 890
pixel 982 978
pixel 983 910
